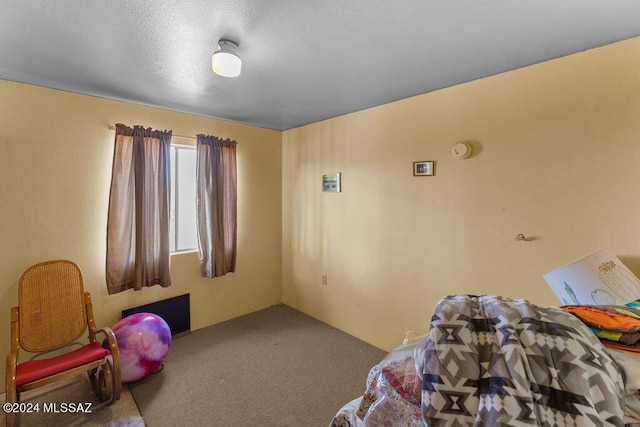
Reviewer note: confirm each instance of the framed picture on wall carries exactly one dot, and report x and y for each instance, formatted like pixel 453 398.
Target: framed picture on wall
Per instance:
pixel 424 168
pixel 331 182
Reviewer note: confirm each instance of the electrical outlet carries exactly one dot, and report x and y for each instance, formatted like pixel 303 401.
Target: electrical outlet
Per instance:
pixel 324 279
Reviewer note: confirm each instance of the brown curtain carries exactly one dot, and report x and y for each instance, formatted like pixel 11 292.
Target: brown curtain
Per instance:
pixel 216 205
pixel 138 221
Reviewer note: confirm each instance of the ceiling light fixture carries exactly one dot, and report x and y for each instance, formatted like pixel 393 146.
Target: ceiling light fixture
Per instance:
pixel 225 61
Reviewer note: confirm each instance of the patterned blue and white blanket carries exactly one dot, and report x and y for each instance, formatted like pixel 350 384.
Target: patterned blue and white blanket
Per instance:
pixel 493 362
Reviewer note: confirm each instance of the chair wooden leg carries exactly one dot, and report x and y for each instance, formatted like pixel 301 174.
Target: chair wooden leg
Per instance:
pixel 12 393
pixel 115 380
pixel 104 383
pixel 97 382
pixel 13 419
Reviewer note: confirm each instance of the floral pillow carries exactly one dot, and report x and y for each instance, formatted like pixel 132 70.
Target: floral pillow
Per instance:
pixel 405 380
pixel 400 368
pixel 397 397
pixel 401 375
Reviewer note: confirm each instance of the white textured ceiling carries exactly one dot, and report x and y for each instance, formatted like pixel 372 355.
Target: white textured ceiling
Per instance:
pixel 303 61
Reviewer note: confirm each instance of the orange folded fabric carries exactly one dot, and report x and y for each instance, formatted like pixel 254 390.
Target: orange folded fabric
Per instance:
pixel 617 326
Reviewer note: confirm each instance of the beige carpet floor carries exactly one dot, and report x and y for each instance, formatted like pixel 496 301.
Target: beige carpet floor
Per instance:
pixel 123 413
pixel 275 367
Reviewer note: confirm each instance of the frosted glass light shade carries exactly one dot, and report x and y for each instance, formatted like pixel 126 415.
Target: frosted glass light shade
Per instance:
pixel 225 62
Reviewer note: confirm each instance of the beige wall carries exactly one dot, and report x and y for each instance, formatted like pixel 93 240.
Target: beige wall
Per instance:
pixel 55 166
pixel 557 159
pixel 557 148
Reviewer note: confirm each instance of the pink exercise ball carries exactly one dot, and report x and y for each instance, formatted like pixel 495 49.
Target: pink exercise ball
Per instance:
pixel 143 340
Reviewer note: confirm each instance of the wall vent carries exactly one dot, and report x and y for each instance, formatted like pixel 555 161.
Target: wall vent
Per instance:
pixel 175 311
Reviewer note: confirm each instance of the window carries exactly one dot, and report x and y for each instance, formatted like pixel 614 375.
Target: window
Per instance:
pixel 182 216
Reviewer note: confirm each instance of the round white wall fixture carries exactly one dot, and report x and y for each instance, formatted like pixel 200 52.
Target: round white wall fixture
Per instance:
pixel 461 150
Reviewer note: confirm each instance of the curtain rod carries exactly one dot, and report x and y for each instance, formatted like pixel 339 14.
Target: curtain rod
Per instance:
pixel 112 127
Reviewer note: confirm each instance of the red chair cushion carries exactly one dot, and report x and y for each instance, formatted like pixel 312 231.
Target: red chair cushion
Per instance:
pixel 33 370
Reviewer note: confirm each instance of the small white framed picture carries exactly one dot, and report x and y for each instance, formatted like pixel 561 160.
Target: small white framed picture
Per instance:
pixel 331 182
pixel 424 168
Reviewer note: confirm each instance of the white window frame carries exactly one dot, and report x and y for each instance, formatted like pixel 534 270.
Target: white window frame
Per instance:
pixel 174 213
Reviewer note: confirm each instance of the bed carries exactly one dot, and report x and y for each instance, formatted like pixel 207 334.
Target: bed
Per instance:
pixel 491 361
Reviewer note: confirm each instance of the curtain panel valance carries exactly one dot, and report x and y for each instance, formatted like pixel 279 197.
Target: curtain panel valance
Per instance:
pixel 216 205
pixel 138 216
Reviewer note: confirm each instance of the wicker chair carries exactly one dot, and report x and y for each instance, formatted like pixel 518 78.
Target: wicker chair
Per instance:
pixel 53 313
